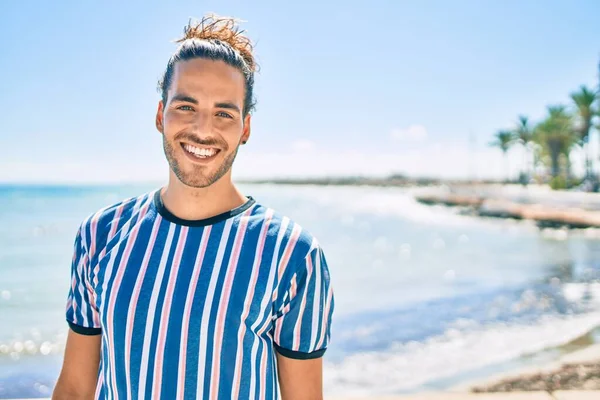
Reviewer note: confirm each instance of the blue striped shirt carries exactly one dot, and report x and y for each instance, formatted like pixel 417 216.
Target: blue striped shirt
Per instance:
pixel 197 309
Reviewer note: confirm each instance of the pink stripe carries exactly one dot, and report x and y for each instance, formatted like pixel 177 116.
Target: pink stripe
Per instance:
pixel 73 286
pixel 113 228
pixel 133 302
pixel 162 333
pixel 79 271
pixel 285 258
pixel 99 385
pixel 279 324
pixel 284 310
pixel 326 318
pixel 288 250
pixel 296 342
pixel 90 288
pixel 250 295
pixel 92 296
pixel 188 311
pixel 263 372
pixel 112 232
pixel 114 291
pixel 224 303
pixel 93 229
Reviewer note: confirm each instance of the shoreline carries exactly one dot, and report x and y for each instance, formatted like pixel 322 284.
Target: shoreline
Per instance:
pixel 535 377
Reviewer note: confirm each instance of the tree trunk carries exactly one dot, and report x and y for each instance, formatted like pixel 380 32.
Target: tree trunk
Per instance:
pixel 586 151
pixel 524 170
pixel 506 168
pixel 554 156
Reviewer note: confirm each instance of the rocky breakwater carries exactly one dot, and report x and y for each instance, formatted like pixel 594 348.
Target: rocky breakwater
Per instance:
pixel 545 216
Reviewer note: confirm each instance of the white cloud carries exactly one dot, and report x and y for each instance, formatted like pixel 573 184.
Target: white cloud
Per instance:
pixel 414 133
pixel 303 145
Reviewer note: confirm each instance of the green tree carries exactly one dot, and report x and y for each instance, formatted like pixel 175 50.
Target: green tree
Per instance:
pixel 504 139
pixel 556 136
pixel 524 135
pixel 584 100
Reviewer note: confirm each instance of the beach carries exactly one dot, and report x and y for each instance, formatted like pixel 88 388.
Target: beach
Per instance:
pixel 431 300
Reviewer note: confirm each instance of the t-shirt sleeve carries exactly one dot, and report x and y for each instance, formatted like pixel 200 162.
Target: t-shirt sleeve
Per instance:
pixel 303 322
pixel 81 311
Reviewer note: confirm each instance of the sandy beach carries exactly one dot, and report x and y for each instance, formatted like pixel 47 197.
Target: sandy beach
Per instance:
pixel 579 370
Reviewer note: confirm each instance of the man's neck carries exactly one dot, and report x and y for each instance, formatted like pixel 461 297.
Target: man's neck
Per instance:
pixel 196 204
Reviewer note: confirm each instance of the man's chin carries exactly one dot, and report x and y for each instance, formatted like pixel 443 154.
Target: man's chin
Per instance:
pixel 199 180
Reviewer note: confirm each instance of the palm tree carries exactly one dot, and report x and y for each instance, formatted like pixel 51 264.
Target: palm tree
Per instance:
pixel 556 135
pixel 584 100
pixel 524 134
pixel 504 140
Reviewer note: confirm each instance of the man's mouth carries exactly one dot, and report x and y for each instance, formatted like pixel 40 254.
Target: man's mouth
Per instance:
pixel 201 153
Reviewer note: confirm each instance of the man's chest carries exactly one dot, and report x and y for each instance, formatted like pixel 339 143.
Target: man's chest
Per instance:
pixel 188 285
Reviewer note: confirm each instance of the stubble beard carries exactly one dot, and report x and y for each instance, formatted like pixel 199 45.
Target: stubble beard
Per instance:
pixel 199 177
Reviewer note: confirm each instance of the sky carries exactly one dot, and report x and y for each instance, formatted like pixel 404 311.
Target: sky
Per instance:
pixel 364 88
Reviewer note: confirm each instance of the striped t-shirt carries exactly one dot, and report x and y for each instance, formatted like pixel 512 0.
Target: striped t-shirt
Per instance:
pixel 197 309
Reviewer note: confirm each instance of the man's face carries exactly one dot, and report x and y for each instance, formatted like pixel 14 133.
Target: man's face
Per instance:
pixel 202 122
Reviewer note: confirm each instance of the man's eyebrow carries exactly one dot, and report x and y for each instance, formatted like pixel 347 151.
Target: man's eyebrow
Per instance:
pixel 183 97
pixel 228 105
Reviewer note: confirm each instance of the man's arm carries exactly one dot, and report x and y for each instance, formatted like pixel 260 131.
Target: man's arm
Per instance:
pixel 301 329
pixel 300 379
pixel 79 374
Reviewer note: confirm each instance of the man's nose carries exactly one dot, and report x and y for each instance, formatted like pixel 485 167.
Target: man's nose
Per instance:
pixel 202 124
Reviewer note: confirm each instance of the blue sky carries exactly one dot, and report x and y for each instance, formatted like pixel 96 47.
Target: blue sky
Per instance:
pixel 345 87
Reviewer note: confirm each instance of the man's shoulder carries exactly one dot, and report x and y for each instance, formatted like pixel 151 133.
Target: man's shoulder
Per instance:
pixel 290 232
pixel 97 223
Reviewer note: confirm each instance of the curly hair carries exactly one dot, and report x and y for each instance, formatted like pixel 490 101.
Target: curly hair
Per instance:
pixel 219 39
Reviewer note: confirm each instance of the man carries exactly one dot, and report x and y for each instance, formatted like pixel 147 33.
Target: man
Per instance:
pixel 196 291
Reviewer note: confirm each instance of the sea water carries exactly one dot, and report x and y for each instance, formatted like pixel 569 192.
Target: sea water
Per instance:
pixel 425 296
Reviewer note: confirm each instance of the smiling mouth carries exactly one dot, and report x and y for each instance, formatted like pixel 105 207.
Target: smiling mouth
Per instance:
pixel 201 153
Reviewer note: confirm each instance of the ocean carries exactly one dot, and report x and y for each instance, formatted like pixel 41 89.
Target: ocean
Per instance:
pixel 426 297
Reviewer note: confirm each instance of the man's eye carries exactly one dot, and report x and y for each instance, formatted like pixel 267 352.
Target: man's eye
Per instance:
pixel 223 114
pixel 185 108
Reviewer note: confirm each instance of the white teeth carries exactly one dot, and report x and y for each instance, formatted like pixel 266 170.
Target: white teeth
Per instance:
pixel 200 152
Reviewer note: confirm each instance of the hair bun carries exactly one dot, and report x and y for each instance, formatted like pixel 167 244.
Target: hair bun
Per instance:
pixel 223 29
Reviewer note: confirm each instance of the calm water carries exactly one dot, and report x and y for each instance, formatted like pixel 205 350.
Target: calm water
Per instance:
pixel 424 295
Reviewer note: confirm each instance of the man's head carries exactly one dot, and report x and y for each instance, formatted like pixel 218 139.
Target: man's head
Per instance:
pixel 207 100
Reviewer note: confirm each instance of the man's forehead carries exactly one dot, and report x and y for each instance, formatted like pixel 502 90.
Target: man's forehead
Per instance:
pixel 211 76
pixel 213 68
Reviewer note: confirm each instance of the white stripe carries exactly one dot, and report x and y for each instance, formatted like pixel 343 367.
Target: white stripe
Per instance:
pixel 167 300
pixel 207 309
pixel 131 308
pixel 276 261
pixel 80 270
pixel 249 300
pixel 110 268
pixel 296 341
pixel 223 304
pixel 316 301
pixel 81 288
pixel 267 298
pixel 151 311
pixel 189 299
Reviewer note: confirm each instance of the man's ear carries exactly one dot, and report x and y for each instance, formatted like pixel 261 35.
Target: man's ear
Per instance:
pixel 159 117
pixel 246 131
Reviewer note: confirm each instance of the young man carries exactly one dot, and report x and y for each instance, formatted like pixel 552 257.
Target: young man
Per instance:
pixel 196 291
